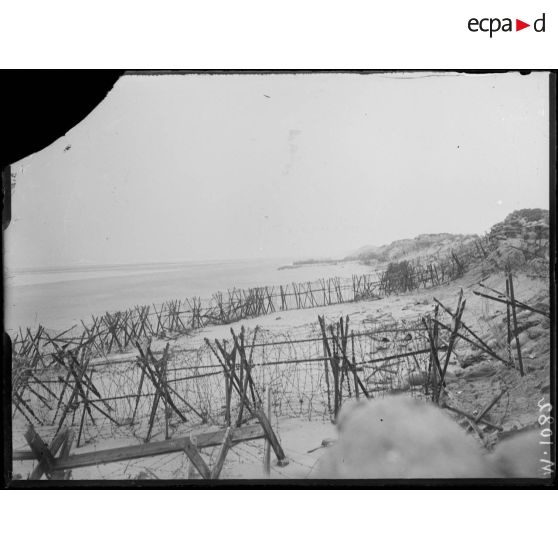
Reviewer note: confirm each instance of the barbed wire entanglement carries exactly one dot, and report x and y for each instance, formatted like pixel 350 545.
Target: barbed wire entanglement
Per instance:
pixel 309 377
pixel 119 331
pixel 153 393
pixel 221 383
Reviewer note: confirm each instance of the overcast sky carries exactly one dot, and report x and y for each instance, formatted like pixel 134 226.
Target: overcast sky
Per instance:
pixel 177 168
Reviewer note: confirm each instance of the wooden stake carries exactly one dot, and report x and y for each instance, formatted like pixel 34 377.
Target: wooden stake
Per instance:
pixel 196 460
pixel 518 347
pixel 64 453
pixel 490 405
pixel 266 425
pixel 453 336
pixel 223 450
pixel 42 452
pixel 326 367
pixel 508 320
pixel 267 450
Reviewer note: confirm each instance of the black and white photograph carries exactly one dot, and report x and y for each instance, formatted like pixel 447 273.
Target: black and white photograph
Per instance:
pixel 286 278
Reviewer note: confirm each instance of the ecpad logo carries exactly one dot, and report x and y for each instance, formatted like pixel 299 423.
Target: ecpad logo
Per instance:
pixel 492 25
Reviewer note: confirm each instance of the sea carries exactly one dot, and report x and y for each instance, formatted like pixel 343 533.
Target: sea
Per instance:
pixel 58 298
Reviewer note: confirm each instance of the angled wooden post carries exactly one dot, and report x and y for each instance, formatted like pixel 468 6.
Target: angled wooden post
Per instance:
pixel 350 365
pixel 64 453
pixel 43 453
pixel 333 362
pixel 223 450
pixel 270 435
pixel 82 421
pixel 453 337
pixel 355 375
pixel 508 321
pixel 267 450
pixel 138 396
pixel 190 448
pixel 434 361
pixel 326 367
pixel 518 347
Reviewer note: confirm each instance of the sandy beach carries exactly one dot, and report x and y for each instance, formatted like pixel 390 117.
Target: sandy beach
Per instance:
pixel 301 432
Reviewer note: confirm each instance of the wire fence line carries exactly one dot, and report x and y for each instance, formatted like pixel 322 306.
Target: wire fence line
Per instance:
pixel 119 331
pixel 310 376
pixel 58 378
pixel 117 398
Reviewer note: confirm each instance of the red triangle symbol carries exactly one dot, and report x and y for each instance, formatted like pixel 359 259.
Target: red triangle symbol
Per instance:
pixel 519 25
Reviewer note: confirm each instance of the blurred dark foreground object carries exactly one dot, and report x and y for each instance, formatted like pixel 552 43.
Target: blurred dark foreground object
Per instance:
pixel 400 437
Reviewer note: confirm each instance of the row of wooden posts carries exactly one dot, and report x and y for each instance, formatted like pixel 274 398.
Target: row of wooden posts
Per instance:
pixel 119 331
pixel 512 305
pixel 79 394
pixel 341 374
pixel 242 395
pixel 344 370
pixel 338 362
pixel 154 370
pixel 79 399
